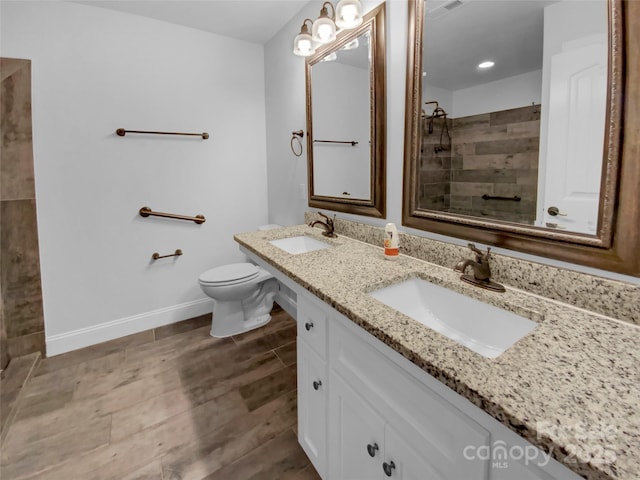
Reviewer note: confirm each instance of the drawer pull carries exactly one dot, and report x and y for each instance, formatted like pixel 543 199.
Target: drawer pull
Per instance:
pixel 388 468
pixel 316 384
pixel 372 449
pixel 308 326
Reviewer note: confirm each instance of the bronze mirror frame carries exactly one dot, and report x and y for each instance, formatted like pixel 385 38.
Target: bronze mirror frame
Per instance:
pixel 616 245
pixel 375 206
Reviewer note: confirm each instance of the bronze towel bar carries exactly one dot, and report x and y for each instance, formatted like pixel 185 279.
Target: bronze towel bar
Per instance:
pixel 515 198
pixel 352 142
pixel 156 255
pixel 146 211
pixel 121 132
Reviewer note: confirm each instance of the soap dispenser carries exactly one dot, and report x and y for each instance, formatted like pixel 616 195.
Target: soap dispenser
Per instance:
pixel 391 244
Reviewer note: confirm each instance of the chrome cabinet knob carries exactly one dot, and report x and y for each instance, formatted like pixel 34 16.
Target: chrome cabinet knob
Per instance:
pixel 555 211
pixel 308 326
pixel 371 449
pixel 388 468
pixel 317 384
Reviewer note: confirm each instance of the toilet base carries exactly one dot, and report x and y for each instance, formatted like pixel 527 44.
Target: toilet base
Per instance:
pixel 236 317
pixel 225 324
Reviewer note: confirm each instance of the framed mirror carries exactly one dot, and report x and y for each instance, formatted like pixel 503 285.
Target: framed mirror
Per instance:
pixel 515 115
pixel 346 112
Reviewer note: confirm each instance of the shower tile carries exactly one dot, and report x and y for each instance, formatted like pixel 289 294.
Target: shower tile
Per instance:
pixel 518 145
pixel 26 344
pixel 16 166
pixel 515 115
pixel 21 287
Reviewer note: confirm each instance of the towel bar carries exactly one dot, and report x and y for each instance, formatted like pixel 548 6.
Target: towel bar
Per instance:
pixel 146 211
pixel 156 255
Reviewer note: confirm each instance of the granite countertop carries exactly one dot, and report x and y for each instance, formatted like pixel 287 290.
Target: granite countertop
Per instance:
pixel 570 387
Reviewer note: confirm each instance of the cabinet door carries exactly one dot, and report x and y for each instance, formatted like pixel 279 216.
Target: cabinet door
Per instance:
pixel 356 436
pixel 404 462
pixel 312 406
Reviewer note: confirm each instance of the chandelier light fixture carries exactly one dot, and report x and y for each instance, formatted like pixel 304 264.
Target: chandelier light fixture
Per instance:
pixel 347 15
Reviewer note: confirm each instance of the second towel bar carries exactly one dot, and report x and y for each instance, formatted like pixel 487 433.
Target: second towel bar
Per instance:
pixel 122 132
pixel 352 142
pixel 156 255
pixel 146 211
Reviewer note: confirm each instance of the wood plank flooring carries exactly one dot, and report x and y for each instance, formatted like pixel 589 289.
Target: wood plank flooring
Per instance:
pixel 171 403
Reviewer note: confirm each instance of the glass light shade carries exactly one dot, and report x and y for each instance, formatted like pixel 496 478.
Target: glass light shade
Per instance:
pixel 324 30
pixel 348 14
pixel 303 45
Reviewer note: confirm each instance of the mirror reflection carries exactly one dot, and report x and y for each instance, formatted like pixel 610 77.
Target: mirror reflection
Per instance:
pixel 346 120
pixel 513 111
pixel 340 93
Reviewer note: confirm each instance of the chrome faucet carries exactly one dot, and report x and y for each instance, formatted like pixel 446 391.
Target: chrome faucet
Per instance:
pixel 481 270
pixel 327 225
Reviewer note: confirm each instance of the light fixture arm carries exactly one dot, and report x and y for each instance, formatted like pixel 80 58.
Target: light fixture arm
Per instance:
pixel 304 28
pixel 325 13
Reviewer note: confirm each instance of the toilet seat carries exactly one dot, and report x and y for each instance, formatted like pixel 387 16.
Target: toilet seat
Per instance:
pixel 231 274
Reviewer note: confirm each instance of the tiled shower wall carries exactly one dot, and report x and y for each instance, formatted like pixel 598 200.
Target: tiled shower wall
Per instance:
pixel 19 256
pixel 435 165
pixel 493 154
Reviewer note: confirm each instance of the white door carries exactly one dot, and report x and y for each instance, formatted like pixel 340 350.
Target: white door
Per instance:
pixel 356 441
pixel 312 406
pixel 577 111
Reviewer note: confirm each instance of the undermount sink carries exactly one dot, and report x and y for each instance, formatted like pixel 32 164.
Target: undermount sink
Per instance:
pixel 299 244
pixel 483 328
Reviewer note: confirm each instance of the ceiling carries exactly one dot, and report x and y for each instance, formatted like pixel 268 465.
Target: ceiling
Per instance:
pixel 254 21
pixel 459 34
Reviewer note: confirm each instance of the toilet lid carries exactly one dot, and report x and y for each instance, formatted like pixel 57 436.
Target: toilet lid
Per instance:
pixel 230 273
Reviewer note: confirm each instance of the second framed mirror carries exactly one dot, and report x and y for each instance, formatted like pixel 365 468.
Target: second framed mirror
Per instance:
pixel 346 110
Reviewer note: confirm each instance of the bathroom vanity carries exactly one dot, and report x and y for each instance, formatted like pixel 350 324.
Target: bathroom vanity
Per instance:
pixel 382 396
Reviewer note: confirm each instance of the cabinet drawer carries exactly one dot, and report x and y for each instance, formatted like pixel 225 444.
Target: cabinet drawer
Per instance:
pixel 312 323
pixel 441 430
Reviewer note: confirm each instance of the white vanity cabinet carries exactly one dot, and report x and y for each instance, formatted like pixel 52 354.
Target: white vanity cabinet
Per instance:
pixel 367 413
pixel 364 446
pixel 312 380
pixel 419 435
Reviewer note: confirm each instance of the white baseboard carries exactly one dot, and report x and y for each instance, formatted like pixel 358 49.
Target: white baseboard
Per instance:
pixel 84 337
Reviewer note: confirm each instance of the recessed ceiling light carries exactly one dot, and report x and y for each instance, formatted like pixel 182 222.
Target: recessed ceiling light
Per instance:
pixel 487 64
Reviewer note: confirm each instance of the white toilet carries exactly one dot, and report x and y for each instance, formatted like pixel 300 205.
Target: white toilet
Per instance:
pixel 243 296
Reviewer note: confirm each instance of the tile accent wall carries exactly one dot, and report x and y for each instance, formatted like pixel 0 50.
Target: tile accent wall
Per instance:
pixel 435 165
pixel 494 154
pixel 19 255
pixel 613 298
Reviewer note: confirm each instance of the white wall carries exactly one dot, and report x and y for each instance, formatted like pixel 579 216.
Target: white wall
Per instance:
pixel 443 96
pixel 285 83
pixel 504 94
pixel 95 70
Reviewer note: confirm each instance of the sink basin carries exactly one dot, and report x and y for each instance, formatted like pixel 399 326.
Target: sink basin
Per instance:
pixel 483 328
pixel 299 244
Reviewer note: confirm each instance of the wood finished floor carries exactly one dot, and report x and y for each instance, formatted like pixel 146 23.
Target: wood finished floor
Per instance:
pixel 171 403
